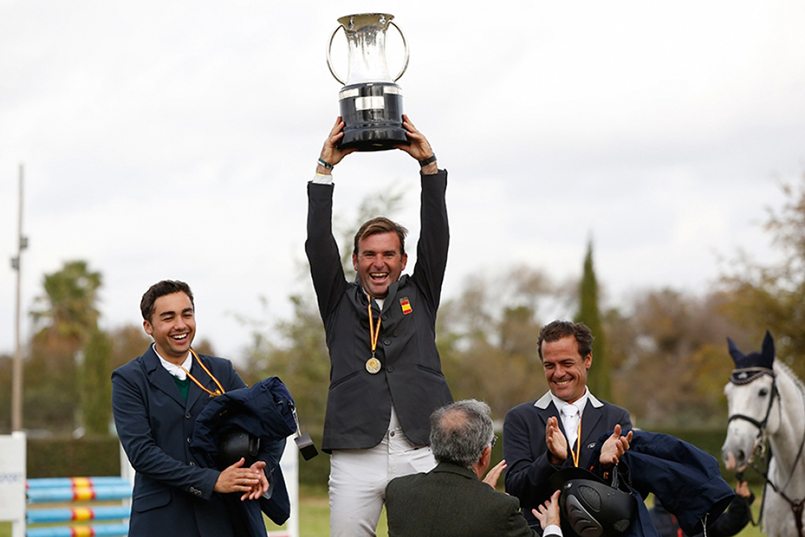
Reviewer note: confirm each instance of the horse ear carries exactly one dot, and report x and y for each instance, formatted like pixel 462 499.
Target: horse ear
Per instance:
pixel 734 352
pixel 768 347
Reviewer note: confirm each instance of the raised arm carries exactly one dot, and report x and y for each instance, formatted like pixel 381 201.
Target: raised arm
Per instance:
pixel 434 236
pixel 320 246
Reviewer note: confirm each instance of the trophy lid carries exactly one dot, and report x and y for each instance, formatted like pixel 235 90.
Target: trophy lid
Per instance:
pixel 360 21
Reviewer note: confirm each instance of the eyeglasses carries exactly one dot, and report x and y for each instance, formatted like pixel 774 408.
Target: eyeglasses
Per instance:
pixel 494 440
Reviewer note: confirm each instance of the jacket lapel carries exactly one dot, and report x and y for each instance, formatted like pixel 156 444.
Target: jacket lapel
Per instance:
pixel 546 409
pixel 159 377
pixel 392 294
pixel 590 423
pixel 195 392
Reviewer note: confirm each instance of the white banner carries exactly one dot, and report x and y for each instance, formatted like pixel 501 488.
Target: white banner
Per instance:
pixel 12 481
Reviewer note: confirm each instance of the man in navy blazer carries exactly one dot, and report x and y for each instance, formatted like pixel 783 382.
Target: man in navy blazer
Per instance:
pixel 155 399
pixel 561 428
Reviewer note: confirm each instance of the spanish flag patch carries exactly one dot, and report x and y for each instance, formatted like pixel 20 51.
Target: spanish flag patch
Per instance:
pixel 406 305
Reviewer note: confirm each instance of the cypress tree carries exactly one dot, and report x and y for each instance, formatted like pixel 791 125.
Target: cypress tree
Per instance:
pixel 598 377
pixel 96 384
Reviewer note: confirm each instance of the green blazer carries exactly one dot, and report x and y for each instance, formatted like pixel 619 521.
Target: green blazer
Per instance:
pixel 450 501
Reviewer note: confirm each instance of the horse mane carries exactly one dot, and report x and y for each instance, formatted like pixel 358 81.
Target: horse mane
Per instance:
pixel 785 368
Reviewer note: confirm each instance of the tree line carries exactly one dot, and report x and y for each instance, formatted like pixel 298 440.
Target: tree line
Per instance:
pixel 661 353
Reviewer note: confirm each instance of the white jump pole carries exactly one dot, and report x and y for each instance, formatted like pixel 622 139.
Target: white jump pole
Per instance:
pixel 290 471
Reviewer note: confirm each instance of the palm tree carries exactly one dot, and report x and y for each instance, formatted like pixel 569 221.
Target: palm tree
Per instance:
pixel 66 316
pixel 68 307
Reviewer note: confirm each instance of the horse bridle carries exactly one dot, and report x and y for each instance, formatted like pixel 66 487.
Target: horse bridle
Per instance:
pixel 745 376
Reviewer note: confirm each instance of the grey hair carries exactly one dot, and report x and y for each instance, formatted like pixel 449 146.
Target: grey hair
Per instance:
pixel 460 431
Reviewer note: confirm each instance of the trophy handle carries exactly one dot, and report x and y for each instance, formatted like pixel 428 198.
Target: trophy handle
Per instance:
pixel 330 46
pixel 405 44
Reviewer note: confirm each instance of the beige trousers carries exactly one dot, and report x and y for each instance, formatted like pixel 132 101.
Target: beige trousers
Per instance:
pixel 358 479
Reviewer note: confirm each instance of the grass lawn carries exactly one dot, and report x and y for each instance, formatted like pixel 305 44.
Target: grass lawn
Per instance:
pixel 314 515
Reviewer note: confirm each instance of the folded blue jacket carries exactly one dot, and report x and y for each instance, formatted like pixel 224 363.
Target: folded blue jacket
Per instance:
pixel 266 411
pixel 686 479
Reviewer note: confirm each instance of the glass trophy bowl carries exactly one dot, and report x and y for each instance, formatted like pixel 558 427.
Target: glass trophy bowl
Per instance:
pixel 370 101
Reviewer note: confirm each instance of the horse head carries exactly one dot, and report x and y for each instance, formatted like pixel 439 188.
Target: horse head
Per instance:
pixel 751 394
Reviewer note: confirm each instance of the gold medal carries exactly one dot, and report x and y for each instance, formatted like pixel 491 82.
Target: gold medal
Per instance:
pixel 373 365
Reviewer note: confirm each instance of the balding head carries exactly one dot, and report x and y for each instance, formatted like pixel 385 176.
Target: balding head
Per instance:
pixel 460 431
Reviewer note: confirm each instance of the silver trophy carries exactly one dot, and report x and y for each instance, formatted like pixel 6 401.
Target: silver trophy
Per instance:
pixel 370 101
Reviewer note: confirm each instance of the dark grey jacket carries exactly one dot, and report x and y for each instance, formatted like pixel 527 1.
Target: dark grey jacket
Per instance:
pixel 450 501
pixel 359 403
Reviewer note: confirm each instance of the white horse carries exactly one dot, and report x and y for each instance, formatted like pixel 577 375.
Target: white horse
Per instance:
pixel 766 403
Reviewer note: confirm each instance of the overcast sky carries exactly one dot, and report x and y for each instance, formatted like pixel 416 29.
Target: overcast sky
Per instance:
pixel 173 139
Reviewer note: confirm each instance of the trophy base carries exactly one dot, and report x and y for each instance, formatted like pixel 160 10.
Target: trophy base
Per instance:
pixel 372 114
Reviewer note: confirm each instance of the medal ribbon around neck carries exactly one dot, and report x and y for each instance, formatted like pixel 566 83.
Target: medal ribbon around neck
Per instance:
pixel 373 364
pixel 219 391
pixel 575 455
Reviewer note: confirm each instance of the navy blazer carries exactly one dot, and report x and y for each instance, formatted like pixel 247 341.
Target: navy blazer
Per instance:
pixel 173 494
pixel 528 466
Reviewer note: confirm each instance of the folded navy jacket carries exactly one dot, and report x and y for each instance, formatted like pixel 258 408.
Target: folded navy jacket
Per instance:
pixel 265 411
pixel 686 479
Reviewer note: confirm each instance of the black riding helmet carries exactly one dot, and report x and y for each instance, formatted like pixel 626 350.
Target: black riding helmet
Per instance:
pixel 589 506
pixel 233 445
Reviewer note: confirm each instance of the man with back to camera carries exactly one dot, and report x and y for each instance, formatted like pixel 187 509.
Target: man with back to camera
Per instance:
pixel 453 499
pixel 385 371
pixel 541 437
pixel 156 398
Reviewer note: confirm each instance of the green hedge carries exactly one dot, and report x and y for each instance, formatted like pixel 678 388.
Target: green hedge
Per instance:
pixel 64 457
pixel 316 471
pixel 67 457
pixel 709 440
pixel 60 457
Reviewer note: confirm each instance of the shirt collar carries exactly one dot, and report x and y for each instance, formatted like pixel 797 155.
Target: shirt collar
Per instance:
pixel 174 369
pixel 546 399
pixel 580 403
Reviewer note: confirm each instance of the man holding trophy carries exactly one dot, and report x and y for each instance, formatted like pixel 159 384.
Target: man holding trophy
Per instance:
pixel 385 376
pixel 385 372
